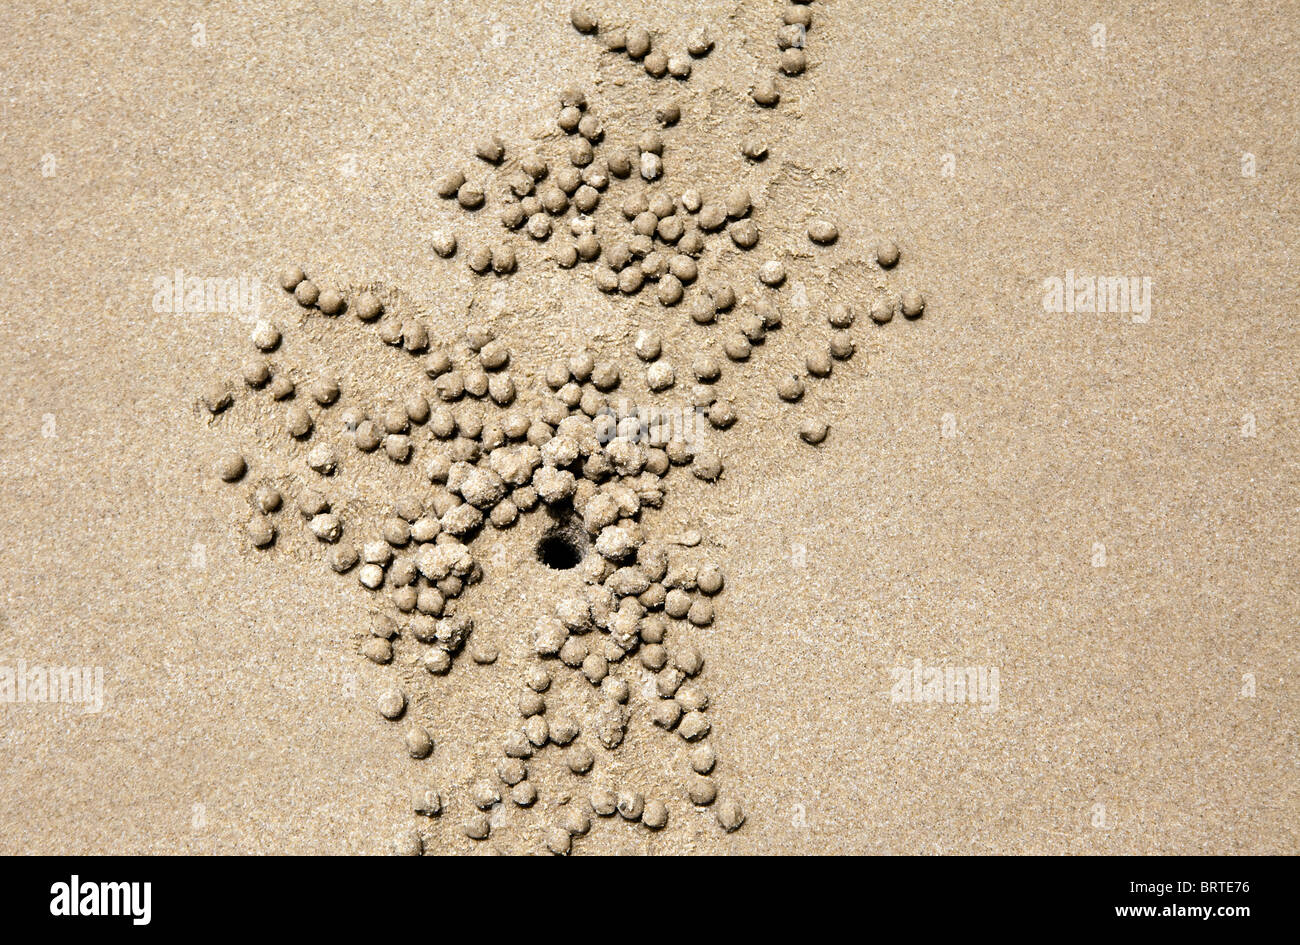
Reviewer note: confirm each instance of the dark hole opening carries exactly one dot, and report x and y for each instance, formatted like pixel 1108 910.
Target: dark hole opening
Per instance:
pixel 559 550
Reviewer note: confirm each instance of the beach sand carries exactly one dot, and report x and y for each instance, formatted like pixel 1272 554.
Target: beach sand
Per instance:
pixel 1102 508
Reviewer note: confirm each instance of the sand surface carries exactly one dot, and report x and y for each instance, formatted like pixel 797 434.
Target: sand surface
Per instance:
pixel 1103 510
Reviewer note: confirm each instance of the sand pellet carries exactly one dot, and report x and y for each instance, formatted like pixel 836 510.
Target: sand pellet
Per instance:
pixel 266 337
pixel 755 149
pixel 630 805
pixel 470 196
pixel 693 726
pixel 668 114
pixel 840 315
pixel 765 92
pixel 744 233
pixel 790 388
pixel 391 703
pixel 699 43
pixel 841 345
pixel 449 184
pixel 818 363
pixel 583 20
pixel 823 231
pixel 887 253
pixel 230 466
pixel 330 302
pixel 730 814
pixel 290 276
pixel 306 293
pixel 813 431
pixel 912 304
pixel 701 790
pixel 882 310
pixel 261 531
pixel 793 61
pixel 490 149
pixel 476 827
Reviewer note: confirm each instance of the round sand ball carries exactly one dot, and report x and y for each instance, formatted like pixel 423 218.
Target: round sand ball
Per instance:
pixel 366 437
pixel 479 259
pixel 882 311
pixel 267 498
pixel 426 802
pixel 736 347
pixel 490 149
pixel 580 760
pixel 391 704
pixel 583 20
pixel 216 397
pixel 408 843
pixel 604 802
pixel 709 580
pixel 330 302
pixel 652 165
pixel 887 253
pixel 708 467
pixel 841 345
pixel 484 794
pixel 818 363
pixel 670 290
pixel 306 293
pixel 700 790
pixel 477 827
pixel 706 368
pixel 656 64
pixel 230 466
pixel 444 244
pixel 371 576
pixel 638 42
pixel 701 611
pixel 648 345
pixel 575 819
pixel 470 196
pixel 326 527
pixel 823 231
pixel 343 558
pixel 790 388
pixel 699 43
pixel 912 304
pixel 660 376
pixel 630 805
pixel 569 119
pixel 437 662
pixel 668 114
pixel 771 273
pixel 266 337
pixel 290 277
pixel 712 216
pixel 730 814
pixel 813 431
pixel 524 794
pixel 558 840
pixel 793 61
pixel 737 202
pixel 765 92
pixel 503 259
pixel 754 149
pixel 449 184
pixel 261 531
pixel 655 814
pixel 840 316
pixel 693 726
pixel 703 759
pixel 325 391
pixel 679 66
pixel 744 233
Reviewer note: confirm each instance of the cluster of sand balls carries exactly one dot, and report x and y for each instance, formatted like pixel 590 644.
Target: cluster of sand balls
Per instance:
pixel 792 60
pixel 594 464
pixel 637 43
pixel 487 446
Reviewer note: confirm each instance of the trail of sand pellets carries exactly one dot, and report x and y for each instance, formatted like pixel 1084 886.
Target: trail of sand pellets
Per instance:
pixel 482 440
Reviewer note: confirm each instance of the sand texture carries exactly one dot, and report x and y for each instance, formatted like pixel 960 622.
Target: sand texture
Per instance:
pixel 1087 511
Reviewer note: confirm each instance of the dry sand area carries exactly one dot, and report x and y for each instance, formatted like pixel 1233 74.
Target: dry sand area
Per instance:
pixel 1035 591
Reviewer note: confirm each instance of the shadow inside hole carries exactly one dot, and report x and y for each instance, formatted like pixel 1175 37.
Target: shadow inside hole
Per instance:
pixel 560 549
